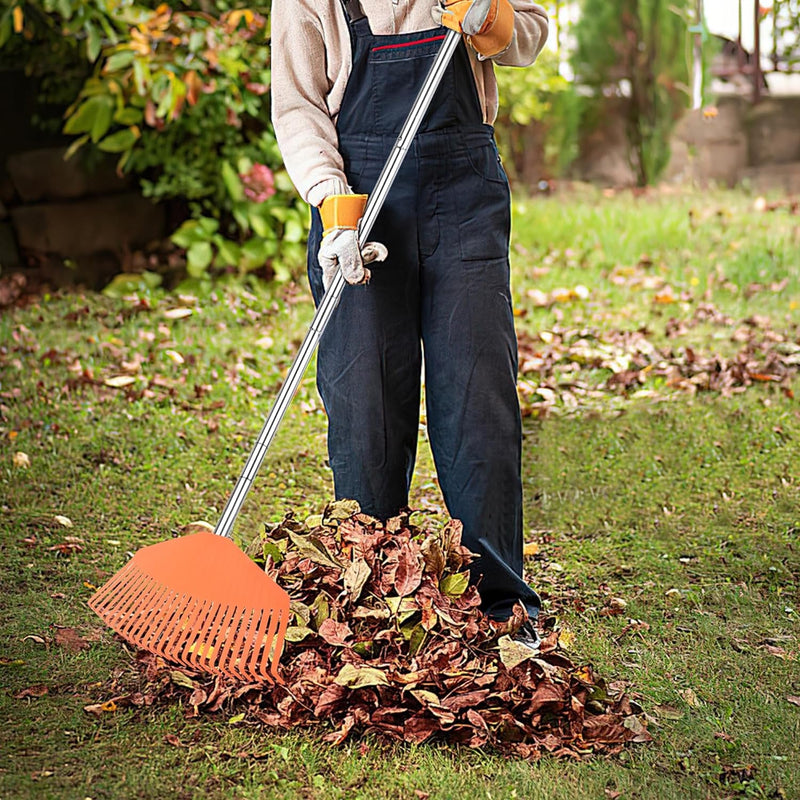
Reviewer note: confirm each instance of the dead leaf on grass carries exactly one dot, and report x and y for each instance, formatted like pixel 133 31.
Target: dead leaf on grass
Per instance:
pixel 98 709
pixel 690 697
pixel 39 690
pixel 70 639
pixel 667 712
pixel 119 381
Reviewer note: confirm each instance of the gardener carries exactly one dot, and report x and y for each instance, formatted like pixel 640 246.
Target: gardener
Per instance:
pixel 344 76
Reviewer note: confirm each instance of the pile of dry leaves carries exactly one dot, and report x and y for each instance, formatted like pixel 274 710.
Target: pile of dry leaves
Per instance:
pixel 387 637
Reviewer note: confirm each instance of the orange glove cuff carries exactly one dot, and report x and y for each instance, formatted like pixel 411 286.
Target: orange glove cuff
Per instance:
pixel 342 211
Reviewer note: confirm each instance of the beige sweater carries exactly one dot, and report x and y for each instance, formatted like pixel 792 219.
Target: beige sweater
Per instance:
pixel 311 63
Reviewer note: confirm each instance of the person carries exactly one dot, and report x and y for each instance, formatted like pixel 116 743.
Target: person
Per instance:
pixel 344 77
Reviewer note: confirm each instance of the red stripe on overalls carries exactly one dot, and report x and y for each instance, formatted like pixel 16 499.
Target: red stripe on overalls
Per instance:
pixel 408 44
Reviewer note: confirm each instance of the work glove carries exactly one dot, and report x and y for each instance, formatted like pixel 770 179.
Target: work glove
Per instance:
pixel 487 24
pixel 340 249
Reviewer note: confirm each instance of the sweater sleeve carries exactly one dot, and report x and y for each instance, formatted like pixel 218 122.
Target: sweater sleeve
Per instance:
pixel 303 124
pixel 530 34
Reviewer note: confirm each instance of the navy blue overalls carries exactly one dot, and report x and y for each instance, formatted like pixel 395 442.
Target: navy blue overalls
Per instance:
pixel 444 290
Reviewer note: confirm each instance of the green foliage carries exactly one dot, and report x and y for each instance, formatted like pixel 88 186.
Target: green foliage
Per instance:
pixel 786 18
pixel 537 96
pixel 183 98
pixel 636 49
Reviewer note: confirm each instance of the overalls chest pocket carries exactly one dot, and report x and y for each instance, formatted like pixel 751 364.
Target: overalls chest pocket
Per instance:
pixel 399 68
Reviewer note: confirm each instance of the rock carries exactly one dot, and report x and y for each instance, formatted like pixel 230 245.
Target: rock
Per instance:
pixel 101 224
pixel 45 175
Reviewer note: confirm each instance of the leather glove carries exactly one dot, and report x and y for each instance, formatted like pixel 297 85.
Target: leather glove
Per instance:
pixel 340 249
pixel 487 24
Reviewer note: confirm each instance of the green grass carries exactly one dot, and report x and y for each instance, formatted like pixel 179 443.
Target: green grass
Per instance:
pixel 667 531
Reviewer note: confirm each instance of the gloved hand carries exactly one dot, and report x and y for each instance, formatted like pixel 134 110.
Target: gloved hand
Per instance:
pixel 487 24
pixel 340 249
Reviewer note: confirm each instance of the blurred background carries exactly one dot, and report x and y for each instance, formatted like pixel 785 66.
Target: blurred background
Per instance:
pixel 136 141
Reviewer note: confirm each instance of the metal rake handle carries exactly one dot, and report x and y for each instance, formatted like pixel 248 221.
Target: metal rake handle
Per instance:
pixel 331 298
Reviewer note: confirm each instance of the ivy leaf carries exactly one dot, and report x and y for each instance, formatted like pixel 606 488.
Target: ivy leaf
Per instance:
pixel 353 677
pixel 89 116
pixel 118 61
pixel 232 182
pixel 120 141
pixel 198 258
pixel 454 585
pixel 296 633
pixel 94 42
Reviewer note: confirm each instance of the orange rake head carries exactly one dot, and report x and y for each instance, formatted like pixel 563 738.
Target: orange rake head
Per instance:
pixel 201 602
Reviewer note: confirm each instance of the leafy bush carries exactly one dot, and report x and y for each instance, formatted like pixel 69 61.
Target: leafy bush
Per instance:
pixel 536 104
pixel 183 98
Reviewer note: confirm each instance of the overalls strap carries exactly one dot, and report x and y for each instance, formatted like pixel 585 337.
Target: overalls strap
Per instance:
pixel 353 10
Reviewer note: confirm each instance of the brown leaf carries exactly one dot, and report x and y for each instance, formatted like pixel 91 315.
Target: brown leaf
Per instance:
pixel 330 700
pixel 354 578
pixel 70 639
pixel 337 737
pixel 793 699
pixel 335 633
pixel 433 557
pixel 409 570
pixel 198 697
pixel 419 728
pixel 39 690
pixel 604 728
pixel 173 740
pixel 457 702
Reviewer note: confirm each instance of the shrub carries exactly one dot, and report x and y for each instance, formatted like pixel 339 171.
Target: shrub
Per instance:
pixel 182 97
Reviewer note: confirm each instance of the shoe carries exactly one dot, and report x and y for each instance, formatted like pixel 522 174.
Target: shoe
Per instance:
pixel 528 636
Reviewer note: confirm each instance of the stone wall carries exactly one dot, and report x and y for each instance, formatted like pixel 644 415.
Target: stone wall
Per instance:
pixel 740 143
pixel 756 145
pixel 70 221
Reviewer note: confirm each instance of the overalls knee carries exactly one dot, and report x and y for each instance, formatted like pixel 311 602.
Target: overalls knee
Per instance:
pixel 443 291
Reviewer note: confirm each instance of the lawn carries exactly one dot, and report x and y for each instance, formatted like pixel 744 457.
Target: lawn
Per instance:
pixel 660 351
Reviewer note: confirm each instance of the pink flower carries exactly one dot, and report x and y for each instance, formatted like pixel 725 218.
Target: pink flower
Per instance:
pixel 259 183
